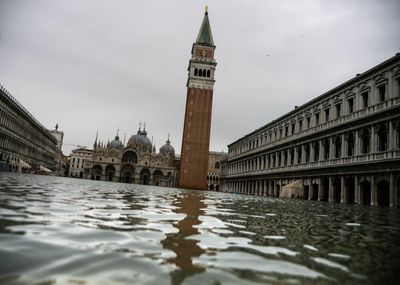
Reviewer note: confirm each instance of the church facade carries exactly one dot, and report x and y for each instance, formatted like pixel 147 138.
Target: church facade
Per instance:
pixel 136 162
pixel 343 146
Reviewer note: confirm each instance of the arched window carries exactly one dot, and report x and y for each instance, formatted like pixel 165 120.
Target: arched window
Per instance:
pixel 307 150
pixel 208 73
pixel 365 141
pixel 326 149
pixel 299 153
pixel 316 151
pixel 382 138
pixel 350 144
pixel 338 147
pixel 200 72
pixel 196 71
pixel 217 165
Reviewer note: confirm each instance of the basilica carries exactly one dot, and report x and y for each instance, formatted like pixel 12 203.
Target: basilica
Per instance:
pixel 136 162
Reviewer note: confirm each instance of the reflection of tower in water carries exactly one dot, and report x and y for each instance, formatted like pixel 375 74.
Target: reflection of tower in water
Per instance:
pixel 185 249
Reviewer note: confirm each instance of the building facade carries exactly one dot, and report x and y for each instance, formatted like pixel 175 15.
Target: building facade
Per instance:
pixel 343 146
pixel 197 122
pixel 23 140
pixel 214 170
pixel 136 162
pixel 77 161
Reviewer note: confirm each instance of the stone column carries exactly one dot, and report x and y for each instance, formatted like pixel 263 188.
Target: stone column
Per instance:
pixel 312 150
pixel 357 190
pixel 296 155
pixel 321 150
pixel 303 154
pixel 288 157
pixel 331 148
pixel 343 192
pixel 330 190
pixel 392 186
pixel 391 137
pixel 343 146
pixel 274 188
pixel 373 140
pixel 374 191
pixel 320 189
pixel 357 150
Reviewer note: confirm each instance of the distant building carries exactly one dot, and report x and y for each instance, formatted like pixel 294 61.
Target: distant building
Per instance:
pixel 197 122
pixel 77 161
pixel 137 162
pixel 343 146
pixel 60 165
pixel 24 142
pixel 214 170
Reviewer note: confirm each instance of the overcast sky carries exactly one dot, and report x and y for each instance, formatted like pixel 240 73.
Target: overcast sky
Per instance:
pixel 104 65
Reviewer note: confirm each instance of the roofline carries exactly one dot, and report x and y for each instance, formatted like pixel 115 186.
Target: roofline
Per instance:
pixel 312 101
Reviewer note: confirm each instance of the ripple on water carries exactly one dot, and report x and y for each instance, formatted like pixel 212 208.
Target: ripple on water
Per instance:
pixel 73 230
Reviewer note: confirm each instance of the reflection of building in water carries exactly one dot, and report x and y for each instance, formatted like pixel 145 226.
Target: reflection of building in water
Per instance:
pixel 185 248
pixel 343 146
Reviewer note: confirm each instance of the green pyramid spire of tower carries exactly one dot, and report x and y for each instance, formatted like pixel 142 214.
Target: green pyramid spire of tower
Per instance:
pixel 205 35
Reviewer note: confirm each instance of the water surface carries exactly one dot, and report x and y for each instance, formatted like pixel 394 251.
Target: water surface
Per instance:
pixel 71 231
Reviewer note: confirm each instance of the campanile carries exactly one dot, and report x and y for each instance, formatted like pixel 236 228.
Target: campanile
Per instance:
pixel 197 124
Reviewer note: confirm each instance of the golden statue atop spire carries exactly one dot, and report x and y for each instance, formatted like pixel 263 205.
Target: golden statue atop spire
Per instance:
pixel 206 9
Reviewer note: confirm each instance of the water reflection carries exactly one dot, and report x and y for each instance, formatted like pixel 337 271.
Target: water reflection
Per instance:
pixel 186 249
pixel 57 230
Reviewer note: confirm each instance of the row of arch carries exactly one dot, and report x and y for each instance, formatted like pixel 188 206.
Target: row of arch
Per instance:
pixel 302 121
pixel 364 141
pixel 202 72
pixel 381 190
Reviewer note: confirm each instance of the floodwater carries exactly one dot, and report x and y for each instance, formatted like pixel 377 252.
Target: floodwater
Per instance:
pixel 71 231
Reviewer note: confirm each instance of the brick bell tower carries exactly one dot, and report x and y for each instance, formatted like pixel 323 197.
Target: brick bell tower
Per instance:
pixel 197 125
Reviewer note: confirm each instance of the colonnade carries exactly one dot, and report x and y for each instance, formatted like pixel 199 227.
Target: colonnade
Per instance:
pixel 374 190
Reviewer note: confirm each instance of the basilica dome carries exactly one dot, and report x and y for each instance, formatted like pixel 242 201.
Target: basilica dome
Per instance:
pixel 167 149
pixel 140 139
pixel 115 144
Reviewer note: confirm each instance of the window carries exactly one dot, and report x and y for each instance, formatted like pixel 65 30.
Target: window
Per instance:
pixel 196 71
pixel 280 133
pixel 286 131
pixel 350 144
pixel 326 115
pixel 364 97
pixel 300 125
pixel 293 126
pixel 317 119
pixel 338 147
pixel 337 110
pixel 316 151
pixel 382 138
pixel 382 93
pixel 308 122
pixel 365 141
pixel 350 103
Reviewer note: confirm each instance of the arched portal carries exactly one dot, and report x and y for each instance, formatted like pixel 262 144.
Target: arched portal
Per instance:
pixel 350 188
pixel 365 192
pixel 97 171
pixel 383 195
pixel 314 192
pixel 127 173
pixel 145 176
pixel 337 189
pixel 157 177
pixel 110 172
pixel 306 191
pixel 325 189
